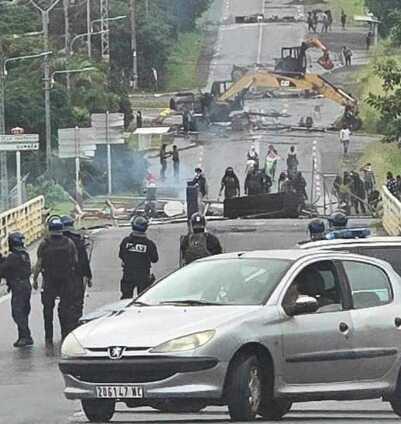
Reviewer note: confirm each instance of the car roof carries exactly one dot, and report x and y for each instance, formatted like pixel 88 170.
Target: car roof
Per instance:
pixel 369 241
pixel 289 254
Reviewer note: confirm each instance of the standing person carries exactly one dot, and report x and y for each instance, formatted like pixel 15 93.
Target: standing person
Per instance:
pixel 253 183
pixel 176 162
pixel 253 155
pixel 230 184
pixel 343 19
pixel 139 122
pixel 200 181
pixel 345 138
pixel 137 253
pixel 398 179
pixel 84 272
pixel 369 178
pixel 345 193
pixel 391 184
pixel 325 22
pixel 16 269
pixel 271 160
pixel 198 243
pixel 163 155
pixel 58 263
pixel 292 163
pixel 336 187
pixel 329 19
pixel 311 27
pixel 358 193
pixel 315 20
pixel 369 39
pixel 348 57
pixel 300 187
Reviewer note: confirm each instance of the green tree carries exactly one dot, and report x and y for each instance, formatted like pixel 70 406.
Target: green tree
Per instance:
pixel 389 104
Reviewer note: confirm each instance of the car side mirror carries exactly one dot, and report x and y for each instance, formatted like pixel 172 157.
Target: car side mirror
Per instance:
pixel 303 305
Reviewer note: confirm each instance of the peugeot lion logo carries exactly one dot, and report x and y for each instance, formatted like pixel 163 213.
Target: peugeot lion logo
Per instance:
pixel 116 352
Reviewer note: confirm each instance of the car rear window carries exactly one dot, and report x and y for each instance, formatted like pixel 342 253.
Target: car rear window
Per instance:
pixel 390 254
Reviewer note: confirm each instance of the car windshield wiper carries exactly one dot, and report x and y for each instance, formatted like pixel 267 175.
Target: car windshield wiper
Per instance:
pixel 190 302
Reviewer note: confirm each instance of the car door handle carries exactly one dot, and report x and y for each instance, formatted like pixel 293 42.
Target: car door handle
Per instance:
pixel 397 322
pixel 343 327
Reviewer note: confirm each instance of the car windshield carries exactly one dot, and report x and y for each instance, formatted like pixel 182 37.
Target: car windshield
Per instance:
pixel 219 282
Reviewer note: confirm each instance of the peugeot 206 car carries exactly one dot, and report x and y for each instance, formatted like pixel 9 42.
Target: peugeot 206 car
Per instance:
pixel 255 331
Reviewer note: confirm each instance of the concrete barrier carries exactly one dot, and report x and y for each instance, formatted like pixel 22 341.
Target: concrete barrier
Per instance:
pixel 391 213
pixel 27 218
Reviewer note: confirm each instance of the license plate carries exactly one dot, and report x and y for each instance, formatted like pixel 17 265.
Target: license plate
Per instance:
pixel 119 392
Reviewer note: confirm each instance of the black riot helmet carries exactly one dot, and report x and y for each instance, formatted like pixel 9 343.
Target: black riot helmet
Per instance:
pixel 338 220
pixel 139 224
pixel 68 222
pixel 198 223
pixel 16 241
pixel 316 229
pixel 55 225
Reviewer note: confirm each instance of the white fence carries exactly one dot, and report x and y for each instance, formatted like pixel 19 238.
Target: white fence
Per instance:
pixel 27 218
pixel 391 213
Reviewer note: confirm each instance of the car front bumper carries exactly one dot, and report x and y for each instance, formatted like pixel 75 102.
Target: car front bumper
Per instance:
pixel 159 377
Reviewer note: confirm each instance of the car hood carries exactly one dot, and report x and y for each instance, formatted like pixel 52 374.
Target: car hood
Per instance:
pixel 105 310
pixel 147 327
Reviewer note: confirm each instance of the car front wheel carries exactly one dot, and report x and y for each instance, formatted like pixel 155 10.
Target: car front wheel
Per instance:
pixel 245 389
pixel 98 410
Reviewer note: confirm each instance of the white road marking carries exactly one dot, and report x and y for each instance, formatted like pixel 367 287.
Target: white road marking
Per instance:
pixel 261 27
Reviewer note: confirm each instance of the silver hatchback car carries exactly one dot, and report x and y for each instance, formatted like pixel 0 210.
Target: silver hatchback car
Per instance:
pixel 255 331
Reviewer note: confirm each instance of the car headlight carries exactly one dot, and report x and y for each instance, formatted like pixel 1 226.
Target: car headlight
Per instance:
pixel 71 348
pixel 183 344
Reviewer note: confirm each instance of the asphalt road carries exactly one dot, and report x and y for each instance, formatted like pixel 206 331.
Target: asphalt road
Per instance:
pixel 30 384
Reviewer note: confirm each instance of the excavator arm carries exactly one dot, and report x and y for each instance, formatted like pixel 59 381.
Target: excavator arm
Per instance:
pixel 274 80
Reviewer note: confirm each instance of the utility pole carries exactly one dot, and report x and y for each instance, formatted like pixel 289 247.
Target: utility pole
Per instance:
pixel 89 27
pixel 3 155
pixel 46 66
pixel 67 40
pixel 132 11
pixel 104 22
pixel 147 8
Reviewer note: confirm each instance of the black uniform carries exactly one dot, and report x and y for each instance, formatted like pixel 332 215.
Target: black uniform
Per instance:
pixel 137 253
pixel 16 269
pixel 59 263
pixel 83 270
pixel 199 245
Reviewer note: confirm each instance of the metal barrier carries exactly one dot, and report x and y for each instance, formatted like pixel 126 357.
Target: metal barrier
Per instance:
pixel 391 213
pixel 27 218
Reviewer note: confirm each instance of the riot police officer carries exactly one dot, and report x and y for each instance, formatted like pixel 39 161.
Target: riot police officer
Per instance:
pixel 16 269
pixel 317 229
pixel 84 273
pixel 338 220
pixel 198 243
pixel 137 253
pixel 58 263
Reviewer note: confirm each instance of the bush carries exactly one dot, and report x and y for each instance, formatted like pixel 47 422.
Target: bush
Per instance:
pixel 54 193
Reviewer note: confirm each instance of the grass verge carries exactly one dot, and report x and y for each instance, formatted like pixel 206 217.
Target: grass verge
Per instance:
pixel 62 208
pixel 384 157
pixel 351 7
pixel 182 65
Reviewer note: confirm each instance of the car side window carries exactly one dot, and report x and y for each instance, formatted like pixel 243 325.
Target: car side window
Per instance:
pixel 320 281
pixel 370 285
pixel 391 254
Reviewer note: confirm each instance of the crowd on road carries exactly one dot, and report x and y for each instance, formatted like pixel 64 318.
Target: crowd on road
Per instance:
pixel 394 184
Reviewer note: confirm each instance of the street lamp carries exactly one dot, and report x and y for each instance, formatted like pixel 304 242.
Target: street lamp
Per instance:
pixel 77 37
pixel 3 161
pixel 115 18
pixel 69 71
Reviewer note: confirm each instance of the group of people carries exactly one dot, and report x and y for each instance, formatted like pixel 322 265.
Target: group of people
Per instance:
pixel 324 17
pixel 394 184
pixel 64 264
pixel 164 155
pixel 355 192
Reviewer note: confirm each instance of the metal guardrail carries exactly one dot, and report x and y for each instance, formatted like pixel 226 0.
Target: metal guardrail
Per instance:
pixel 392 213
pixel 27 218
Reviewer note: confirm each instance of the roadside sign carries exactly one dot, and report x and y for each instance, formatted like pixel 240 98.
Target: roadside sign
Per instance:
pixel 76 142
pixel 109 127
pixel 18 147
pixel 19 138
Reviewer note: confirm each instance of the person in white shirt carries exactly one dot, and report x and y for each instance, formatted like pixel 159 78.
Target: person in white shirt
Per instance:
pixel 345 137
